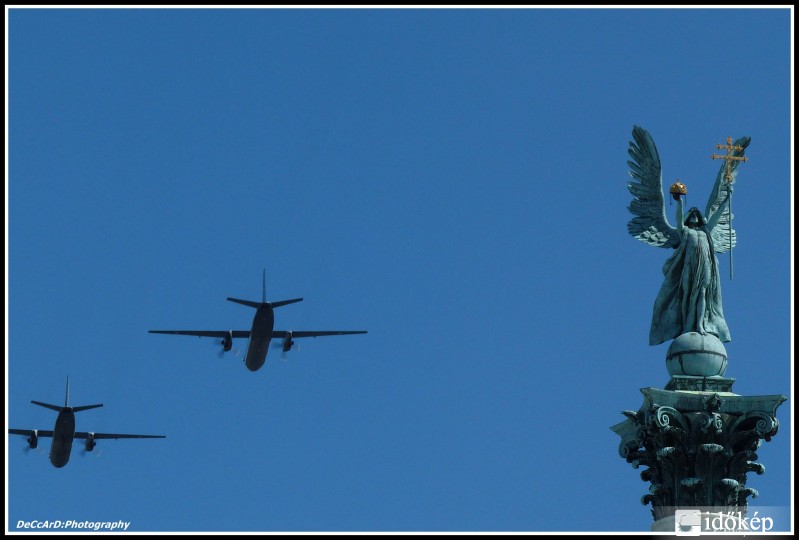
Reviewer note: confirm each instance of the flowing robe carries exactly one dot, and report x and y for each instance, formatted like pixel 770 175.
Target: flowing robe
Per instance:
pixel 690 297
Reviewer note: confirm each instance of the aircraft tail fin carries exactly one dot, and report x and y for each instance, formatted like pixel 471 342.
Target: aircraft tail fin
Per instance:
pixel 66 403
pixel 263 301
pixel 281 302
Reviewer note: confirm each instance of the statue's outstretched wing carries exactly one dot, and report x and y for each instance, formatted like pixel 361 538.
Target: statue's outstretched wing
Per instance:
pixel 723 235
pixel 649 224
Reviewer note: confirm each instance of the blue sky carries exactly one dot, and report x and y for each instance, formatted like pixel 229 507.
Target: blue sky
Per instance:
pixel 454 181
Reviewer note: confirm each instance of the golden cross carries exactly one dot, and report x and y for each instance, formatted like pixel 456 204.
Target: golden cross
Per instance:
pixel 729 158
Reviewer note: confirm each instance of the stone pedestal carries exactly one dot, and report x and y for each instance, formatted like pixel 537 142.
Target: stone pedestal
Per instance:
pixel 697 441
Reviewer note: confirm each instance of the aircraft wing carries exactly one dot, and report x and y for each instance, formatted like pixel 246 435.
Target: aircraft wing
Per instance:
pixel 206 333
pixel 85 435
pixel 29 432
pixel 314 333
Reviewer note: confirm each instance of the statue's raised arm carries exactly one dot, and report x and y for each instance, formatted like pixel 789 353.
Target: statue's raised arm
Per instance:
pixel 723 234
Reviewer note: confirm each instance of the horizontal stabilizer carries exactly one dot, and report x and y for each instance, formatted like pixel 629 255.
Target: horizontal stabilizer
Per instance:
pixel 47 405
pixel 250 303
pixel 285 302
pixel 258 305
pixel 85 407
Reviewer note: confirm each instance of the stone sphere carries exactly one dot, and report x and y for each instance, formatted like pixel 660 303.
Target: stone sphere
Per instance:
pixel 700 355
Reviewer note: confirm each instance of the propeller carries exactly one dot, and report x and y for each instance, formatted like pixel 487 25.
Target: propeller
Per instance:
pixel 226 344
pixel 235 350
pixel 37 446
pixel 279 345
pixel 284 353
pixel 27 450
pixel 96 453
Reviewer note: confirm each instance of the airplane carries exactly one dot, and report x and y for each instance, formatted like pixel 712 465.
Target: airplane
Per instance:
pixel 64 432
pixel 262 331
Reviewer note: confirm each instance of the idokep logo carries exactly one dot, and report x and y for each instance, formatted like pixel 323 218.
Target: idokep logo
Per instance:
pixel 688 522
pixel 696 521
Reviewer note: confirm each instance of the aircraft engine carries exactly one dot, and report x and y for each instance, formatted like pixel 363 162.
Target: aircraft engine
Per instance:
pixel 33 440
pixel 90 443
pixel 227 341
pixel 288 343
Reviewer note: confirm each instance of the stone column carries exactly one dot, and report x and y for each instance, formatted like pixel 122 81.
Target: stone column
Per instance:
pixel 696 438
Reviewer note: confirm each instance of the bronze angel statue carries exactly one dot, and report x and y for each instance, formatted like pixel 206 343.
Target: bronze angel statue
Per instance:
pixel 690 297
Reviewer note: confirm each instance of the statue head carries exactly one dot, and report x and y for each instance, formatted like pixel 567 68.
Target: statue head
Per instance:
pixel 694 219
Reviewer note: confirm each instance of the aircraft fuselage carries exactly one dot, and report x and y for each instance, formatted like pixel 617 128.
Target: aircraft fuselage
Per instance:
pixel 63 435
pixel 261 334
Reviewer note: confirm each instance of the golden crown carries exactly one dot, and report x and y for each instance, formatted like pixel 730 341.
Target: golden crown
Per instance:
pixel 678 187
